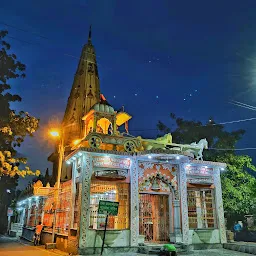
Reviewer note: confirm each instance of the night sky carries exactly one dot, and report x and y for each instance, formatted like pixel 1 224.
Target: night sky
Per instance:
pixel 154 57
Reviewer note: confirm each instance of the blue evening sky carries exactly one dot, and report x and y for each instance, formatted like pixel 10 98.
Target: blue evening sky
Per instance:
pixel 151 55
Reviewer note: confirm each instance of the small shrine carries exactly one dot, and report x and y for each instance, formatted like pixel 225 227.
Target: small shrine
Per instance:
pixel 166 191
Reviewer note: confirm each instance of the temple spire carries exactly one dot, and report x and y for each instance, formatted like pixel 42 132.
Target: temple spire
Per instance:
pixel 90 34
pixel 84 94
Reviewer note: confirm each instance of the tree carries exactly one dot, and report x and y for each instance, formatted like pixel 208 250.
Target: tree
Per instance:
pixel 238 185
pixel 14 127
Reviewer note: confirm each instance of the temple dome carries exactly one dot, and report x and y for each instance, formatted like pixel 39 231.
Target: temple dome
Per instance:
pixel 101 107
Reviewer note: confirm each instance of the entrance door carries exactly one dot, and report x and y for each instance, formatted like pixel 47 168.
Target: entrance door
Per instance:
pixel 154 217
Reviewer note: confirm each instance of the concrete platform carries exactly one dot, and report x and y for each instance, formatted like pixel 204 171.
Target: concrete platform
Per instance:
pixel 241 247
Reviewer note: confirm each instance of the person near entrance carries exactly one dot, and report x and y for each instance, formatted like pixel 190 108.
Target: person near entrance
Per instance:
pixel 168 250
pixel 237 229
pixel 37 234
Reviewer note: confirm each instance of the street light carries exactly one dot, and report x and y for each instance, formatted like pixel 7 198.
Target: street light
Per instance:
pixel 61 148
pixel 54 133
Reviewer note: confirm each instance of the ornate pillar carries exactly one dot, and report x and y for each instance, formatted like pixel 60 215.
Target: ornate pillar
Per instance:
pixel 184 202
pixel 177 224
pixel 219 205
pixel 42 215
pixel 73 193
pixel 134 220
pixel 85 202
pixel 22 216
pixel 29 212
pixel 36 211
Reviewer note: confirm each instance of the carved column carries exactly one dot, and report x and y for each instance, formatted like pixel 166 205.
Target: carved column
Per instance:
pixel 134 202
pixel 42 215
pixel 219 205
pixel 73 193
pixel 177 224
pixel 29 212
pixel 184 202
pixel 85 203
pixel 36 211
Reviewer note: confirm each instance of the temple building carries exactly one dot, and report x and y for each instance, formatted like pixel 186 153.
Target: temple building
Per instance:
pixel 166 192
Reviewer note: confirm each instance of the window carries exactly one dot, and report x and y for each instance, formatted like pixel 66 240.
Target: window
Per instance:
pixel 201 208
pixel 49 212
pixel 62 211
pixel 110 191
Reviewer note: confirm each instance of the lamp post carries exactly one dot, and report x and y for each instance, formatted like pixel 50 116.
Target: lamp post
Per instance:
pixel 61 149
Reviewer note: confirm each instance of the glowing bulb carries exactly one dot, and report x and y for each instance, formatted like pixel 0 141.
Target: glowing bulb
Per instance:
pixel 149 157
pixel 177 157
pixel 54 133
pixel 75 142
pixel 68 162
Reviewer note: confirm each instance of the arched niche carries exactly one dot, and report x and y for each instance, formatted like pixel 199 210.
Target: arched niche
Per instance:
pixel 103 125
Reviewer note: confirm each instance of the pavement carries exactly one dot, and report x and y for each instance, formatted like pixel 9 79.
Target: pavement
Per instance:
pixel 15 247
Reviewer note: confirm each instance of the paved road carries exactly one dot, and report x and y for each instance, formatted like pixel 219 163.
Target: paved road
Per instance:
pixel 219 252
pixel 12 247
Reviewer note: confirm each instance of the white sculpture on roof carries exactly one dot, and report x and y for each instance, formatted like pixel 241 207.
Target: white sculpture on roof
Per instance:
pixel 198 148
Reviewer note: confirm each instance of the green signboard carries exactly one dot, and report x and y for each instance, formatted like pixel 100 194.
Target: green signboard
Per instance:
pixel 108 207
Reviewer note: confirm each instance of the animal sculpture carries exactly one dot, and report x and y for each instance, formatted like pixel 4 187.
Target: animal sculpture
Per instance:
pixel 159 143
pixel 197 148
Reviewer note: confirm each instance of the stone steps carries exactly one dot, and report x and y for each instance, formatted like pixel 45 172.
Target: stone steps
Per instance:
pixel 154 249
pixel 241 247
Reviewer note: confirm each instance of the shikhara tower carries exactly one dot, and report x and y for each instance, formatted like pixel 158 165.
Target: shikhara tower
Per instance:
pixel 84 94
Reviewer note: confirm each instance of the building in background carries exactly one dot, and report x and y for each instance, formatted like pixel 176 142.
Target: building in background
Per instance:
pixel 165 193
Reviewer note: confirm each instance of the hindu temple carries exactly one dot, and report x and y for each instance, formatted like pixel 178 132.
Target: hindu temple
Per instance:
pixel 166 192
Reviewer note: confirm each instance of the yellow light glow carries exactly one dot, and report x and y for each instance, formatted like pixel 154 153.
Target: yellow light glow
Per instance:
pixel 75 142
pixel 54 133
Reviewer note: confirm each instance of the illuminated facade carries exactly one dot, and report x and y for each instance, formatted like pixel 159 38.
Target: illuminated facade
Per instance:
pixel 164 193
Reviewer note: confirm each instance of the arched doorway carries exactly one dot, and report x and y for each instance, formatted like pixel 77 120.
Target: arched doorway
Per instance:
pixel 155 209
pixel 157 192
pixel 103 125
pixel 154 217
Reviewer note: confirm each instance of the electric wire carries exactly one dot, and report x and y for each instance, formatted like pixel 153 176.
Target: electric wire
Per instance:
pixel 243 105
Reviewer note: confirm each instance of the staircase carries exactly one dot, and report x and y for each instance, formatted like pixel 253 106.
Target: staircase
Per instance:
pixel 154 249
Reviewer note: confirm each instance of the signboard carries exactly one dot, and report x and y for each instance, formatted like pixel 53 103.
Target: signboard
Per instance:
pixel 199 171
pixel 112 174
pixel 108 207
pixel 10 212
pixel 111 162
pixel 201 180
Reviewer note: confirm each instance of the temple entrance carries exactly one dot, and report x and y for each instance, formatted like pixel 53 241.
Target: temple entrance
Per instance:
pixel 154 217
